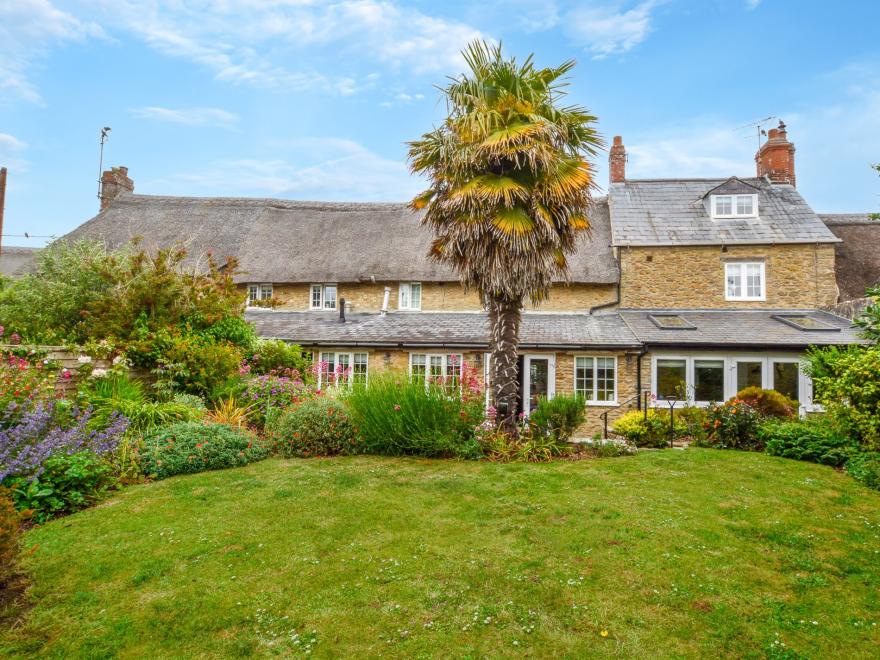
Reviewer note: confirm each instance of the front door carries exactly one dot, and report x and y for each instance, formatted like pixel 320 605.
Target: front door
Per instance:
pixel 538 380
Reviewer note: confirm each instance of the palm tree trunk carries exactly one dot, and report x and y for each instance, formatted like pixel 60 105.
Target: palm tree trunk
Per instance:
pixel 504 319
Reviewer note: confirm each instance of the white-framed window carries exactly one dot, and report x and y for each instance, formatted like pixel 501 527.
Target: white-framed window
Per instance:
pixel 322 296
pixel 734 206
pixel 409 296
pixel 257 292
pixel 337 368
pixel 436 367
pixel 595 379
pixel 745 280
pixel 700 378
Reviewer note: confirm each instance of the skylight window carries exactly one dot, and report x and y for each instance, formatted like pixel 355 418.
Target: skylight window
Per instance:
pixel 804 322
pixel 734 206
pixel 671 322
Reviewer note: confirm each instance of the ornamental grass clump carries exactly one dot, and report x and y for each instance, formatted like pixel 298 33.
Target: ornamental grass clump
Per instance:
pixel 189 447
pixel 397 416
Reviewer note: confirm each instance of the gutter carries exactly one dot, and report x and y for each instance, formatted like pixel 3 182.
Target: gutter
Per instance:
pixel 456 345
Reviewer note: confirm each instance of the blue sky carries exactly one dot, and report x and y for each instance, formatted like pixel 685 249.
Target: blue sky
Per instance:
pixel 314 100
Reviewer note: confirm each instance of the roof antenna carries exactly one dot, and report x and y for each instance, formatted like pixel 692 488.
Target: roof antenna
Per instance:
pixel 758 126
pixel 105 133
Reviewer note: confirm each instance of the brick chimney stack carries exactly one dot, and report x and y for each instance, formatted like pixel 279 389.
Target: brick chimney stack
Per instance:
pixel 775 158
pixel 114 181
pixel 617 161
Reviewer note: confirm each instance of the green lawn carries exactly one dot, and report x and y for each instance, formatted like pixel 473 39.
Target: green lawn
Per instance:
pixel 673 553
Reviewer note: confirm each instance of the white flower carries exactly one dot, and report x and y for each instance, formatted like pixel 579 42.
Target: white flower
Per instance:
pixel 84 359
pixel 99 373
pixel 118 359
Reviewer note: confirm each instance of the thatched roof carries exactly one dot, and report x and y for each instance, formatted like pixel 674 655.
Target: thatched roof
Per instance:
pixel 289 241
pixel 16 261
pixel 858 256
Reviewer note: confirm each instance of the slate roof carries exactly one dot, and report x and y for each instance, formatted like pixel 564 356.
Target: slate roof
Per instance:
pixel 745 328
pixel 452 330
pixel 646 212
pixel 857 258
pixel 16 261
pixel 292 241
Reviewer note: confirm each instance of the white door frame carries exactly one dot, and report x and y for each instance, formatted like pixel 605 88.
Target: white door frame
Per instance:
pixel 525 392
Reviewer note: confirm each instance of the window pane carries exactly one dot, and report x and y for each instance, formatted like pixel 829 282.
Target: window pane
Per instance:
pixel 539 380
pixel 744 205
pixel 359 372
pixel 734 280
pixel 404 296
pixel 417 366
pixel 316 295
pixel 266 291
pixel 753 280
pixel 252 293
pixel 436 366
pixel 329 296
pixel 415 296
pixel 785 379
pixel 326 367
pixel 342 366
pixel 453 369
pixel 671 378
pixel 723 205
pixel 583 377
pixel 748 374
pixel 605 379
pixel 708 380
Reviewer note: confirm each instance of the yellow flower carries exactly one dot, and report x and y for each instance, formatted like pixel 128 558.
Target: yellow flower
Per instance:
pixel 604 633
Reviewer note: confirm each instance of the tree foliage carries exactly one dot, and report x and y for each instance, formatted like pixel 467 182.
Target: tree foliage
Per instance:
pixel 510 190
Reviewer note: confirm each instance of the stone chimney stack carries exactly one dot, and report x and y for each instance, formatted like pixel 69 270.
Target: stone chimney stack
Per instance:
pixel 617 161
pixel 114 181
pixel 775 158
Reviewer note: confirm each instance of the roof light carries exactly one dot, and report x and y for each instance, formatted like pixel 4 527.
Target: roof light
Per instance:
pixel 671 322
pixel 804 322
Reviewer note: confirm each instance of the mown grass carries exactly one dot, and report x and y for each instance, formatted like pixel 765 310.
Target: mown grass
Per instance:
pixel 673 554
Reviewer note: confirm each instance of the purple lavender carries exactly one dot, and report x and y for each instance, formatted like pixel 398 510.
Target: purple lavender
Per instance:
pixel 28 438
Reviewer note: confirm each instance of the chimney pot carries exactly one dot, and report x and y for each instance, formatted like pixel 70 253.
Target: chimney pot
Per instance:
pixel 617 160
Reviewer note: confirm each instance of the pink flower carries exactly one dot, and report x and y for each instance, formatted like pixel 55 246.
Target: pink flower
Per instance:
pixel 397 407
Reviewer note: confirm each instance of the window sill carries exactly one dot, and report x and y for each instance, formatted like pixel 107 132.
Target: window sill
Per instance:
pixel 602 404
pixel 762 299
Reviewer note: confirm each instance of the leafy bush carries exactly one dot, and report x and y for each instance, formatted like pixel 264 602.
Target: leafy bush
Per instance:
pixel 231 329
pixel 560 416
pixel 265 393
pixel 190 401
pixel 10 529
pixel 813 440
pixel 693 420
pixel 320 427
pixel 65 483
pixel 533 445
pixel 732 425
pixel 768 403
pixel 865 467
pixel 846 381
pixel 651 430
pixel 396 416
pixel 274 355
pixel 189 447
pixel 194 364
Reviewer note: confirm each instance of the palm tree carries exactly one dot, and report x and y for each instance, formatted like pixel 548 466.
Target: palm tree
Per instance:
pixel 510 189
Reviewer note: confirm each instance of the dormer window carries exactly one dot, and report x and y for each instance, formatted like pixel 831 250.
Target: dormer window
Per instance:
pixel 734 206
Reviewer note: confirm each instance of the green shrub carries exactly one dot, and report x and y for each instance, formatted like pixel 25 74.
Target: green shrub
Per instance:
pixel 67 483
pixel 319 427
pixel 189 447
pixel 768 403
pixel 196 365
pixel 732 425
pixel 10 530
pixel 274 355
pixel 693 419
pixel 813 440
pixel 651 430
pixel 865 467
pixel 190 401
pixel 560 416
pixel 232 329
pixel 396 416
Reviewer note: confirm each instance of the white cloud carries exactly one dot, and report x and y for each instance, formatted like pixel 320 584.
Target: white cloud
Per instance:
pixel 189 116
pixel 252 42
pixel 10 143
pixel 604 30
pixel 28 28
pixel 11 149
pixel 752 4
pixel 319 168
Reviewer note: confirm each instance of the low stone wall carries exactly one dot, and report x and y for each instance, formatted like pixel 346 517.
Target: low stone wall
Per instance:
pixel 850 309
pixel 64 358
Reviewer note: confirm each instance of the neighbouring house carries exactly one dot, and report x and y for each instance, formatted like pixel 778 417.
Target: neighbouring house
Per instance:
pixel 710 284
pixel 16 261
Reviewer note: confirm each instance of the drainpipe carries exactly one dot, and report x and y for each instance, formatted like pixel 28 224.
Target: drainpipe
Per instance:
pixel 639 375
pixel 385 300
